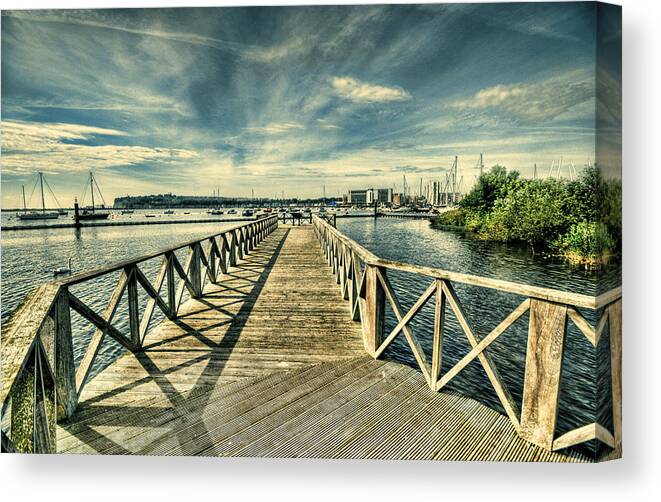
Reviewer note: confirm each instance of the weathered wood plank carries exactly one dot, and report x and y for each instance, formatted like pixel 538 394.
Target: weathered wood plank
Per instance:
pixel 134 312
pixel 484 343
pixel 375 311
pixel 487 363
pixel 439 328
pixel 19 333
pixel 615 329
pixel 414 344
pixel 546 335
pixel 582 434
pixel 65 368
pixel 404 320
pixel 97 338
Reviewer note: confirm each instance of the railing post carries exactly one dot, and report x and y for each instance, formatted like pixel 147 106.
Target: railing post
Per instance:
pixel 134 312
pixel 195 271
pixel 172 295
pixel 439 328
pixel 250 243
pixel 233 248
pixel 212 261
pixel 546 335
pixel 375 310
pixel 65 368
pixel 223 250
pixel 615 330
pixel 246 240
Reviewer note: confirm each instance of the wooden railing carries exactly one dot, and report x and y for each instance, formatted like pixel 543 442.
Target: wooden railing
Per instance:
pixel 364 280
pixel 40 381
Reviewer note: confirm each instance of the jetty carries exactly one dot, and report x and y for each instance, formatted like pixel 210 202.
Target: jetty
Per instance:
pixel 271 342
pixel 124 223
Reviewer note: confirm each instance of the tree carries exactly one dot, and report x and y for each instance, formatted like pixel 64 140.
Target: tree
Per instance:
pixel 490 186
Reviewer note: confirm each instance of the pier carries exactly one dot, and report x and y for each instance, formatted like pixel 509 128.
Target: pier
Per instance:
pixel 90 224
pixel 272 344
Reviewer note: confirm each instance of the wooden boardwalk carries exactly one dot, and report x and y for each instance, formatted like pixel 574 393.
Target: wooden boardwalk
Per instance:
pixel 268 363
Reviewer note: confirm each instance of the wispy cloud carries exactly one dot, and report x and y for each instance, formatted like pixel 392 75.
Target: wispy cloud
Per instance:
pixel 362 92
pixel 95 19
pixel 531 101
pixel 275 128
pixel 56 147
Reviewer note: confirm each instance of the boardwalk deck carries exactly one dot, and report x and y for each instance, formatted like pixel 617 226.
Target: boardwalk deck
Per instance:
pixel 268 363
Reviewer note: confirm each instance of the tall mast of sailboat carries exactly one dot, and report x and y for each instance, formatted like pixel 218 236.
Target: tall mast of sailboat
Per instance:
pixel 92 188
pixel 25 207
pixel 41 182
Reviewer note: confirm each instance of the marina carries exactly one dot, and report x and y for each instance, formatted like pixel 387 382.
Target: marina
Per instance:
pixel 255 316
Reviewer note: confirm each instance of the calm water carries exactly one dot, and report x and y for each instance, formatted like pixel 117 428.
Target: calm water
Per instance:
pixel 414 241
pixel 28 256
pixel 9 218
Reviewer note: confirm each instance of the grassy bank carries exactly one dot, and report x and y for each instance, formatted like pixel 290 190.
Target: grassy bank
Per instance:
pixel 579 221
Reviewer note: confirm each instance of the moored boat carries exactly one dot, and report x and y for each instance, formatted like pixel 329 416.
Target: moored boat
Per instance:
pixel 38 215
pixel 92 213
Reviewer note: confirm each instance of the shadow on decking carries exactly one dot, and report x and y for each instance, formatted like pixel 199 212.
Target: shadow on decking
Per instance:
pixel 260 264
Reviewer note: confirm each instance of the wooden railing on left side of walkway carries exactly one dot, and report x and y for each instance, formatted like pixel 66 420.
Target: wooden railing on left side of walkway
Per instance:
pixel 363 278
pixel 40 381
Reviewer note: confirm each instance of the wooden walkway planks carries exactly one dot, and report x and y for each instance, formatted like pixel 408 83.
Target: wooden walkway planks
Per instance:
pixel 267 363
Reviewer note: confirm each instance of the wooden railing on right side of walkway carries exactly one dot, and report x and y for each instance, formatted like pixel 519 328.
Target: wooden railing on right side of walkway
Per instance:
pixel 363 278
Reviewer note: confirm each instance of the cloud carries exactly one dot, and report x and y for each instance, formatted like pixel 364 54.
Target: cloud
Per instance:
pixel 362 92
pixel 275 128
pixel 32 146
pixel 19 135
pixel 325 124
pixel 530 102
pixel 94 19
pixel 274 53
pixel 415 169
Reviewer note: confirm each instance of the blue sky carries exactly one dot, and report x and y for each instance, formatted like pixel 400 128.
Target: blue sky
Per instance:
pixel 273 99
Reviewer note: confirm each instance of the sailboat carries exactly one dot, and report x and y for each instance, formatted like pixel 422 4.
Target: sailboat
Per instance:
pixel 216 210
pixel 128 209
pixel 38 215
pixel 92 213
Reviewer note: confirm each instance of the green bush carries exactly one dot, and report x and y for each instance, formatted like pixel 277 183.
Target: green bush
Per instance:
pixel 580 217
pixel 454 217
pixel 587 239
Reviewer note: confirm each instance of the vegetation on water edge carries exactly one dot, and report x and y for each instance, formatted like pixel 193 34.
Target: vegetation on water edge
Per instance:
pixel 579 220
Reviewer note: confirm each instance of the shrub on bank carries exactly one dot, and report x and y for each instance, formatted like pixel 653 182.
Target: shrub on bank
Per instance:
pixel 452 218
pixel 580 219
pixel 586 242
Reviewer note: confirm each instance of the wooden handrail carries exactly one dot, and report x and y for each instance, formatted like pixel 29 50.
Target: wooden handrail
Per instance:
pixel 119 265
pixel 40 383
pixel 364 281
pixel 549 294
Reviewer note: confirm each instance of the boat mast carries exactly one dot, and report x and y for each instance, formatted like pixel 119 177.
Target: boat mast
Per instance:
pixel 41 182
pixel 25 208
pixel 92 187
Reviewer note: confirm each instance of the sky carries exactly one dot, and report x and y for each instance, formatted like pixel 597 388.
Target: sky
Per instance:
pixel 294 99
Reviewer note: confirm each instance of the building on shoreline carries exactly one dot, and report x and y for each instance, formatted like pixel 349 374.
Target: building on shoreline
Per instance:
pixel 370 195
